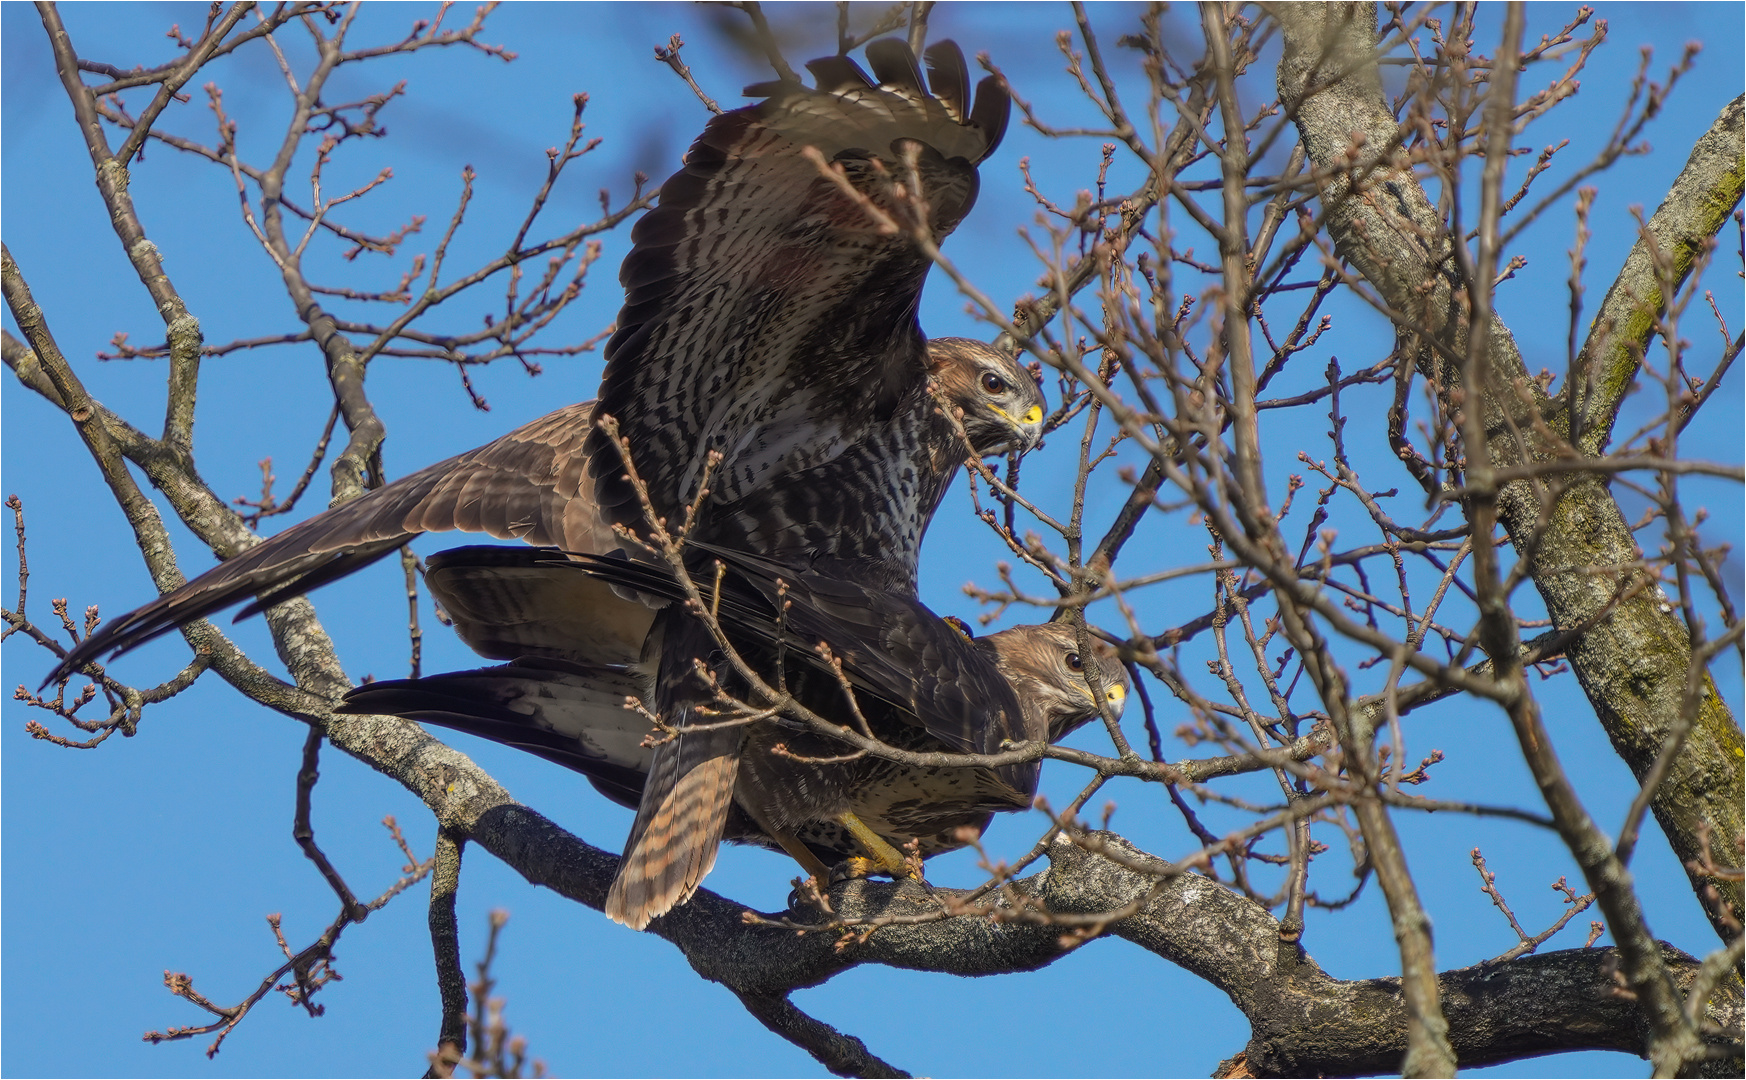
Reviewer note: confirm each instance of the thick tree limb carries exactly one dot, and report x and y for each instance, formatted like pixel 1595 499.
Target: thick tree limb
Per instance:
pixel 1697 205
pixel 1303 1020
pixel 1535 1004
pixel 445 940
pixel 842 1054
pixel 1192 921
pixel 1632 664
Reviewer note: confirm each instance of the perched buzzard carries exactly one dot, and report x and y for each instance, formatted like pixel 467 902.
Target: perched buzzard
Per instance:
pixel 767 368
pixel 768 353
pixel 913 689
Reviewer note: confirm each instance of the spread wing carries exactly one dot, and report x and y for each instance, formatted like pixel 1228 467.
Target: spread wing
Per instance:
pixel 767 316
pixel 528 485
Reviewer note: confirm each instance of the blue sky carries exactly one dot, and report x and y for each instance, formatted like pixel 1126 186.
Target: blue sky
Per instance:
pixel 166 851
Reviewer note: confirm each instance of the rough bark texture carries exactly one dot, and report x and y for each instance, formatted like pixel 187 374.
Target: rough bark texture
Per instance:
pixel 1698 204
pixel 1304 1022
pixel 1632 663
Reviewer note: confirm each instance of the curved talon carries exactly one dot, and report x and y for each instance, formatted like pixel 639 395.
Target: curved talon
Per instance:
pixel 808 895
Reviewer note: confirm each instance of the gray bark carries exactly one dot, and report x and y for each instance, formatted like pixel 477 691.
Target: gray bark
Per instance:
pixel 1633 662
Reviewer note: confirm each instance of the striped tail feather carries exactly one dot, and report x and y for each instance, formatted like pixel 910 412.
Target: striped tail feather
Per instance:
pixel 679 824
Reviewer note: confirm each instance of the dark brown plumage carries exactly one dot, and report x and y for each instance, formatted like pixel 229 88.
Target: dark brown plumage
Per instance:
pixel 768 318
pixel 531 485
pixel 863 513
pixel 911 696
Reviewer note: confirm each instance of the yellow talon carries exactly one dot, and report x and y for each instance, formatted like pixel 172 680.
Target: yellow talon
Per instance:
pixel 853 867
pixel 884 856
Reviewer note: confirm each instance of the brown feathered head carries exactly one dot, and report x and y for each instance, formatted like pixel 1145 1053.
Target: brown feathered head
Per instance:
pixel 1048 673
pixel 1003 409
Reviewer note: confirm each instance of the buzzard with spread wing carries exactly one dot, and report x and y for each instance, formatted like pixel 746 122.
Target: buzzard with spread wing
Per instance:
pixel 770 328
pixel 532 485
pixel 770 316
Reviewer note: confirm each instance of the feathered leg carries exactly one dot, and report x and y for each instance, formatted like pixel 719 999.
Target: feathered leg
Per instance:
pixel 796 849
pixel 689 792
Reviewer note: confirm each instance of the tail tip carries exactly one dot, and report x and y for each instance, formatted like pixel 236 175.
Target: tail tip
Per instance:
pixel 638 912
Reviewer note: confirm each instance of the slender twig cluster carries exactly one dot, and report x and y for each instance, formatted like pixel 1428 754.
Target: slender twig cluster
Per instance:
pixel 1197 308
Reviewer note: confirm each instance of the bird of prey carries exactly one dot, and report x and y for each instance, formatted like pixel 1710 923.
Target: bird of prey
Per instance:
pixel 769 353
pixel 768 369
pixel 532 485
pixel 770 316
pixel 914 689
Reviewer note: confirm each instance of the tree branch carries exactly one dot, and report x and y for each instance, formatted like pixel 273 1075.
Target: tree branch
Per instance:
pixel 1633 664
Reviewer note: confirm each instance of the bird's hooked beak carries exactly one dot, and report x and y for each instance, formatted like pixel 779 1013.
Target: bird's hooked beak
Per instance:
pixel 1115 692
pixel 1117 696
pixel 1027 429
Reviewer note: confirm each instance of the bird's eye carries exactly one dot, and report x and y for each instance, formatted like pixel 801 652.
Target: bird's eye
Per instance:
pixel 1074 663
pixel 993 383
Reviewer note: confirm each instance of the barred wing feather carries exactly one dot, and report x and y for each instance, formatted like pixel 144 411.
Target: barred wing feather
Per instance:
pixel 529 485
pixel 768 316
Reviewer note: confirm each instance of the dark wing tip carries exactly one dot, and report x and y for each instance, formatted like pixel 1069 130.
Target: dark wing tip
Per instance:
pixel 89 651
pixel 993 107
pixel 894 65
pixel 837 73
pixel 343 563
pixel 949 78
